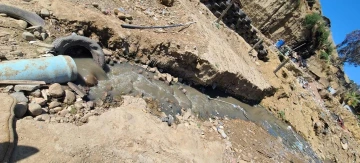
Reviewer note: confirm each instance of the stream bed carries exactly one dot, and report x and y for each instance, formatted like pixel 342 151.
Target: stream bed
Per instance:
pixel 127 79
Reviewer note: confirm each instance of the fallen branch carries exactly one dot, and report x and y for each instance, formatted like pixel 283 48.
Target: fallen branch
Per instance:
pixel 153 27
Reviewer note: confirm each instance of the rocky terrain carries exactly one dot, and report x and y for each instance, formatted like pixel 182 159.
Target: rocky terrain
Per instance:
pixel 113 128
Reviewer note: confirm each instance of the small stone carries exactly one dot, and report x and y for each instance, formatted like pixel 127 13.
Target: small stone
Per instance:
pixel 44 12
pixel 43 36
pixel 153 70
pixel 45 117
pixel 69 97
pixel 80 33
pixel 85 118
pixel 176 80
pixel 36 93
pixel 105 12
pixel 3 15
pixel 96 5
pixel 28 36
pixel 8 88
pixel 27 0
pixel 78 105
pixel 23 24
pixel 170 120
pixel 107 52
pixel 25 88
pixel 57 109
pixel 20 109
pixel 58 119
pixel 37 35
pixel 40 101
pixel 45 109
pixel 20 97
pixel 116 11
pixel 54 104
pixel 222 133
pixel 63 112
pixel 128 16
pixel 17 53
pixel 121 16
pixel 90 104
pixel 183 91
pixel 35 109
pixel 169 78
pixel 44 94
pixel 38 118
pixel 55 90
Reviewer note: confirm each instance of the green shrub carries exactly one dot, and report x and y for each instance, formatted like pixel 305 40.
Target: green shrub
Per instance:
pixel 324 55
pixel 329 48
pixel 312 19
pixel 322 34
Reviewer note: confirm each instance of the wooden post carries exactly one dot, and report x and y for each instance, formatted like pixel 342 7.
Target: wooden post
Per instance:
pixel 225 11
pixel 281 65
pixel 260 41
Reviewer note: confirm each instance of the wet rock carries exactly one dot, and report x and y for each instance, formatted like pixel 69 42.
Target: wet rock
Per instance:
pixel 169 78
pixel 20 97
pixel 35 109
pixel 29 88
pixel 23 24
pixel 90 104
pixel 153 70
pixel 28 36
pixel 37 35
pixel 40 101
pixel 43 36
pixel 55 90
pixel 184 90
pixel 176 80
pixel 36 93
pixel 90 80
pixel 169 119
pixel 44 12
pixel 69 97
pixel 57 109
pixel 20 109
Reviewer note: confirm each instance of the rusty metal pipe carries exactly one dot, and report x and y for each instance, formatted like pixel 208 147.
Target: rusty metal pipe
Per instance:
pixel 58 69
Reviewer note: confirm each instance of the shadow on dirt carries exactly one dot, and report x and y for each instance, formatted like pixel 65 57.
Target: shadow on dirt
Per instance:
pixel 21 152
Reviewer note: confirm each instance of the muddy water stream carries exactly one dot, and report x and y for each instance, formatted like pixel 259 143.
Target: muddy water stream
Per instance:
pixel 126 79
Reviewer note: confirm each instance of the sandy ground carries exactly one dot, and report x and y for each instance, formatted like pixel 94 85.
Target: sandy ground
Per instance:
pixel 129 134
